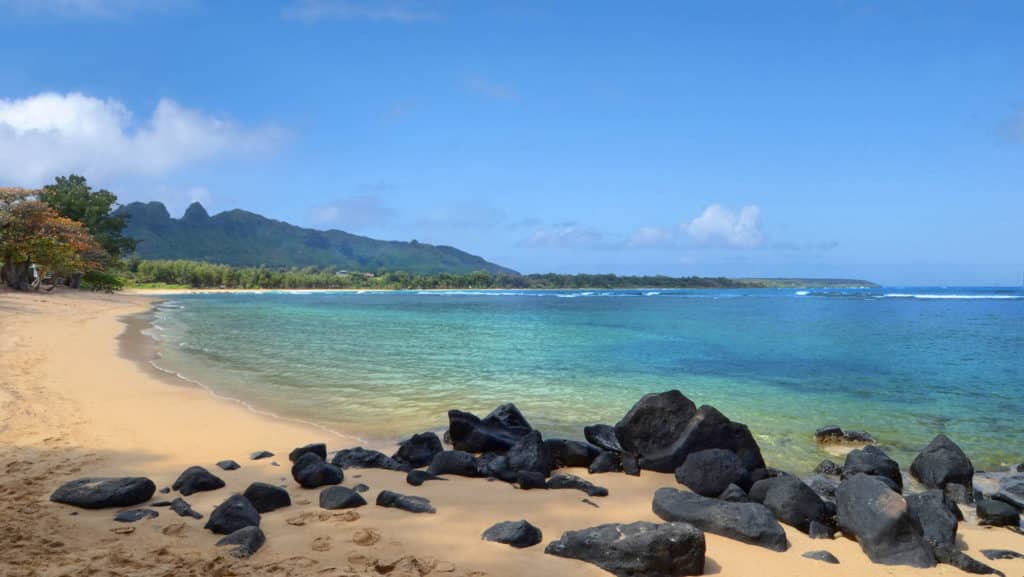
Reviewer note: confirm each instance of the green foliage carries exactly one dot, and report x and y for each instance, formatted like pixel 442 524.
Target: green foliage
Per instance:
pixel 72 198
pixel 243 239
pixel 95 280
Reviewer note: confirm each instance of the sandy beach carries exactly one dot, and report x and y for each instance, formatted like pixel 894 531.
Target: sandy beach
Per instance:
pixel 73 405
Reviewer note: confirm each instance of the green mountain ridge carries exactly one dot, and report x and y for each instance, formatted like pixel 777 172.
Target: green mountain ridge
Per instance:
pixel 241 238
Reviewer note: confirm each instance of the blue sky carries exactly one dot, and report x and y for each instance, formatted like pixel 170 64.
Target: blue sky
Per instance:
pixel 872 139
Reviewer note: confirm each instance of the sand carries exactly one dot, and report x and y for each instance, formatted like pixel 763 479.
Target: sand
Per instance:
pixel 71 405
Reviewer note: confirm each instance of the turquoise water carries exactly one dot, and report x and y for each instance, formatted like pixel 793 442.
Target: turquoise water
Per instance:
pixel 902 363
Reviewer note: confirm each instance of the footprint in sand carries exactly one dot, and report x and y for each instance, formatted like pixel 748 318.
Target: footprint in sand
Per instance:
pixel 321 544
pixel 123 530
pixel 366 537
pixel 174 529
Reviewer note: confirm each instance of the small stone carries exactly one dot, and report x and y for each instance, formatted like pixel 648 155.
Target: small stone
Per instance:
pixel 404 502
pixel 133 515
pixel 822 556
pixel 361 488
pixel 340 498
pixel 417 478
pixel 183 509
pixel 820 531
pixel 997 554
pixel 827 467
pixel 591 503
pixel 261 455
pixel 248 540
pixel 518 534
pixel 228 465
pixel 195 480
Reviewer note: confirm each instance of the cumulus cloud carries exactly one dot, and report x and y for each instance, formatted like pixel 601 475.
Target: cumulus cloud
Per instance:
pixel 49 134
pixel 719 226
pixel 376 10
pixel 564 235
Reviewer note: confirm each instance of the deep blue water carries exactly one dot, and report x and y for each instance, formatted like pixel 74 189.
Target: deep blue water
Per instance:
pixel 902 363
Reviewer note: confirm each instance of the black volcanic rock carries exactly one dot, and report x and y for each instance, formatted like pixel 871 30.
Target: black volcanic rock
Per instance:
pixel 936 514
pixel 997 513
pixel 340 498
pixel 360 458
pixel 404 502
pixel 943 462
pixel 133 515
pixel 750 523
pixel 872 461
pixel 566 481
pixel 266 497
pixel 518 534
pixel 880 520
pixel 603 437
pixel 606 462
pixel 195 480
pixel 315 448
pixel 247 541
pixel 791 501
pixel 418 450
pixel 311 471
pixel 233 514
pixel 654 423
pixel 566 453
pixel 103 492
pixel 498 431
pixel 458 463
pixel 529 453
pixel 710 472
pixel 708 429
pixel 638 549
pixel 228 465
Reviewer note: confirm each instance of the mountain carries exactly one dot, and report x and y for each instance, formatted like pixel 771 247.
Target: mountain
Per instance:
pixel 241 238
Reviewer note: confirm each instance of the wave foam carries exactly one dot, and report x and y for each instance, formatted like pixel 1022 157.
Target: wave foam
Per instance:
pixel 950 296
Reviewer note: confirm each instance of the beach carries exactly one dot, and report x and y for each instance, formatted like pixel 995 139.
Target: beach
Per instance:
pixel 73 405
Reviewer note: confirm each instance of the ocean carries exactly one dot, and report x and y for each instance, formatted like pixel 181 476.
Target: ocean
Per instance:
pixel 901 363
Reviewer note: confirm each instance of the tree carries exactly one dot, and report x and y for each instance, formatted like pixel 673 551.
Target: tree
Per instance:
pixel 72 197
pixel 33 233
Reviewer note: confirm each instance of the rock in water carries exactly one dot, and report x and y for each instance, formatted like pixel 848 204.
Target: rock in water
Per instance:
pixel 950 555
pixel 750 523
pixel 566 481
pixel 997 513
pixel 315 448
pixel 458 463
pixel 872 461
pixel 497 431
pixel 419 450
pixel 266 497
pixel 340 498
pixel 934 512
pixel 233 514
pixel 879 518
pixel 566 453
pixel 603 437
pixel 133 515
pixel 195 480
pixel 655 423
pixel 824 556
pixel 183 509
pixel 417 478
pixel 404 502
pixel 606 462
pixel 518 534
pixel 792 501
pixel 228 465
pixel 708 429
pixel 638 549
pixel 827 467
pixel 360 458
pixel 248 541
pixel 311 471
pixel 529 453
pixel 943 462
pixel 710 472
pixel 103 492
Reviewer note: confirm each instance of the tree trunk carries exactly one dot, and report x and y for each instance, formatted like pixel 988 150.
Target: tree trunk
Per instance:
pixel 15 275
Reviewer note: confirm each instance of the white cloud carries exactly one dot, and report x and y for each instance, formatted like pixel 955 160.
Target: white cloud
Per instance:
pixel 719 226
pixel 354 212
pixel 565 235
pixel 49 134
pixel 377 10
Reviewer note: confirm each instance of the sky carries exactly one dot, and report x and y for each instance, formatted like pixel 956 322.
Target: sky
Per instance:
pixel 868 139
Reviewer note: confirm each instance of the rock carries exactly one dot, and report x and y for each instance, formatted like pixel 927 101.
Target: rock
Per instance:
pixel 792 501
pixel 734 494
pixel 950 555
pixel 261 455
pixel 527 480
pixel 418 450
pixel 360 458
pixel 606 462
pixel 195 480
pixel 417 478
pixel 497 431
pixel 566 481
pixel 518 534
pixel 997 513
pixel 943 462
pixel 103 492
pixel 404 502
pixel 708 429
pixel 133 515
pixel 361 488
pixel 315 448
pixel 183 509
pixel 233 514
pixel 824 486
pixel 340 498
pixel 266 497
pixel 638 549
pixel 824 556
pixel 710 472
pixel 603 437
pixel 932 512
pixel 161 503
pixel 827 467
pixel 960 493
pixel 872 461
pixel 999 554
pixel 228 465
pixel 630 464
pixel 880 520
pixel 165 490
pixel 750 523
pixel 1011 490
pixel 565 453
pixel 311 471
pixel 820 531
pixel 829 434
pixel 858 437
pixel 654 423
pixel 458 463
pixel 495 466
pixel 529 453
pixel 248 541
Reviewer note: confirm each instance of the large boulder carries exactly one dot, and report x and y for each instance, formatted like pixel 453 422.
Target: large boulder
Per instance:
pixel 417 478
pixel 709 472
pixel 340 498
pixel 566 453
pixel 943 462
pixel 638 549
pixel 606 462
pixel 708 429
pixel 196 479
pixel 791 501
pixel 311 472
pixel 418 450
pixel 518 534
pixel 247 541
pixel 950 555
pixel 936 514
pixel 233 514
pixel 360 458
pixel 879 519
pixel 997 513
pixel 266 497
pixel 529 453
pixel 603 437
pixel 404 502
pixel 872 461
pixel 497 431
pixel 454 463
pixel 317 448
pixel 750 523
pixel 1011 490
pixel 103 492
pixel 655 422
pixel 827 467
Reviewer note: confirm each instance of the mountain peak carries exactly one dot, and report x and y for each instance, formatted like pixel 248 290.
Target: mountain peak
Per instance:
pixel 195 213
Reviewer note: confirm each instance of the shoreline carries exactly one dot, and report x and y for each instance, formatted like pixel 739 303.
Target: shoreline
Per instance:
pixel 74 406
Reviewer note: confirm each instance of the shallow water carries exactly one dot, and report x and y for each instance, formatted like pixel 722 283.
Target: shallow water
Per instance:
pixel 902 363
